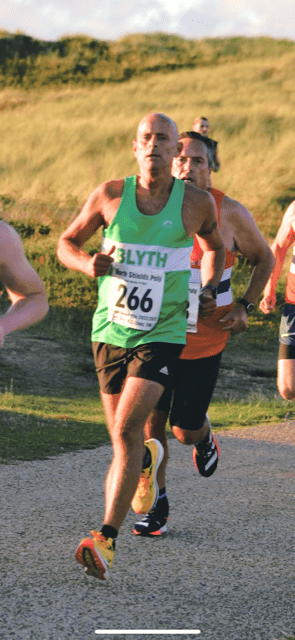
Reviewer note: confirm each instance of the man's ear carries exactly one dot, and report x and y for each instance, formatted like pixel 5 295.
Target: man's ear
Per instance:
pixel 179 149
pixel 134 146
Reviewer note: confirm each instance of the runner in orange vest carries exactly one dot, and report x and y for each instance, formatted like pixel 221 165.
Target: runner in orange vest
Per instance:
pixel 209 326
pixel 286 358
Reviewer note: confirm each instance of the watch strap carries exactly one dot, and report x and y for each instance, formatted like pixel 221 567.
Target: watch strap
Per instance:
pixel 249 306
pixel 210 287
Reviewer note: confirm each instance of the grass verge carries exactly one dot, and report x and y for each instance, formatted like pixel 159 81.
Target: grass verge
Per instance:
pixel 246 413
pixel 36 427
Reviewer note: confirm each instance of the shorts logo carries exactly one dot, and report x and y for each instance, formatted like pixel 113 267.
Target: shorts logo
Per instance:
pixel 167 223
pixel 164 370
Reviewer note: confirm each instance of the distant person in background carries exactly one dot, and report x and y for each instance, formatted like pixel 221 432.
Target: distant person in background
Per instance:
pixel 202 126
pixel 23 285
pixel 286 357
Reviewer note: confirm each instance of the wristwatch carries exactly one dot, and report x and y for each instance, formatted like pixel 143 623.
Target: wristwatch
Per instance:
pixel 211 288
pixel 249 306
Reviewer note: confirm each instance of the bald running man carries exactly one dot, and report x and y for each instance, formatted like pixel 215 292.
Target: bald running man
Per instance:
pixel 23 285
pixel 197 370
pixel 149 223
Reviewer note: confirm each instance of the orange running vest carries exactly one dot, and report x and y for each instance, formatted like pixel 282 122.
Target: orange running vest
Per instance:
pixel 210 338
pixel 290 287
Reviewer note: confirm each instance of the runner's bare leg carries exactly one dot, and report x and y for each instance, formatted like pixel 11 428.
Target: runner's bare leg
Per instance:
pixel 136 402
pixel 155 427
pixel 286 378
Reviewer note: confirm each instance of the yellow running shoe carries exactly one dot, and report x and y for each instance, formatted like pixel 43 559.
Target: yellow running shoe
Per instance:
pixel 146 494
pixel 96 555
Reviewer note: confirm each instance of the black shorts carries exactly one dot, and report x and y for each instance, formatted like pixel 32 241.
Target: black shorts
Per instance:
pixel 190 392
pixel 287 333
pixel 154 361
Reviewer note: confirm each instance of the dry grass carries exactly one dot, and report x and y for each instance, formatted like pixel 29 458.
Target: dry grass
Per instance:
pixel 57 146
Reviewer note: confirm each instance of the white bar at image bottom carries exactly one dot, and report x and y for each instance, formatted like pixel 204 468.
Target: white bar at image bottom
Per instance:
pixel 162 632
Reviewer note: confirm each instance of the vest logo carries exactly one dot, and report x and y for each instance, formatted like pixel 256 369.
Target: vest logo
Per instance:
pixel 167 223
pixel 164 370
pixel 154 259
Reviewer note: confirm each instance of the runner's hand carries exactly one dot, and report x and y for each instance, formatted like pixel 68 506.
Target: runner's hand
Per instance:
pixel 267 304
pixel 207 304
pixel 100 263
pixel 235 320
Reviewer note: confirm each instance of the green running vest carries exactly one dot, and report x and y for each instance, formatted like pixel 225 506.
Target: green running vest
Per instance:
pixel 144 296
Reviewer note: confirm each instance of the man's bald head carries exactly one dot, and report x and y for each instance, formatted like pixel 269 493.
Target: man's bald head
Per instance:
pixel 156 144
pixel 201 125
pixel 159 117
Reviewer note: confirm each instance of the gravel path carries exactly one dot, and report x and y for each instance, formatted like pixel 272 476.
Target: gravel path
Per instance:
pixel 226 567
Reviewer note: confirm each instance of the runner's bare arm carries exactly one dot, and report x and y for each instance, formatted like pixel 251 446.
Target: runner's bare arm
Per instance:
pixel 250 243
pixel 212 265
pixel 97 212
pixel 280 246
pixel 23 285
pixel 204 225
pixel 211 243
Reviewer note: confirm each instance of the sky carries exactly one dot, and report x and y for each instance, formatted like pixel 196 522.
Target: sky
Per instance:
pixel 112 19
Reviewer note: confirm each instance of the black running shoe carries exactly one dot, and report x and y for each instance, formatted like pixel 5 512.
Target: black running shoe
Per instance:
pixel 151 525
pixel 206 456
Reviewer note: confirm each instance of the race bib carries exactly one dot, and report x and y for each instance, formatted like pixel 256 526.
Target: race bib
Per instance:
pixel 135 296
pixel 193 301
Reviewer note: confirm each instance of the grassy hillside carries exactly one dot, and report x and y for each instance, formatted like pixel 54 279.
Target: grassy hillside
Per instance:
pixel 57 145
pixel 80 60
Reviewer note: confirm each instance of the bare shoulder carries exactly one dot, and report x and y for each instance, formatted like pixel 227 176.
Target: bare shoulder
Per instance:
pixel 289 216
pixel 194 194
pixel 9 241
pixel 234 215
pixel 286 232
pixel 231 207
pixel 287 226
pixel 106 192
pixel 17 274
pixel 199 211
pixel 195 197
pixel 7 231
pixel 113 188
pixel 99 209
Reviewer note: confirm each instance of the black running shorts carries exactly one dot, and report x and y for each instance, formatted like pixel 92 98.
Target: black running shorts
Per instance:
pixel 154 361
pixel 287 333
pixel 190 393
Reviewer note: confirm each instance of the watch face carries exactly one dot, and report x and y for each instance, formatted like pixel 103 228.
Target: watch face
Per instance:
pixel 211 288
pixel 250 307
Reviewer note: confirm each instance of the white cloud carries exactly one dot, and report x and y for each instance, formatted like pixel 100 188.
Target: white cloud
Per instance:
pixel 177 7
pixel 56 14
pixel 111 19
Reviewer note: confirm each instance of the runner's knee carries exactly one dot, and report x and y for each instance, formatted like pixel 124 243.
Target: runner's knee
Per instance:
pixel 285 391
pixel 184 436
pixel 127 435
pixel 286 372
